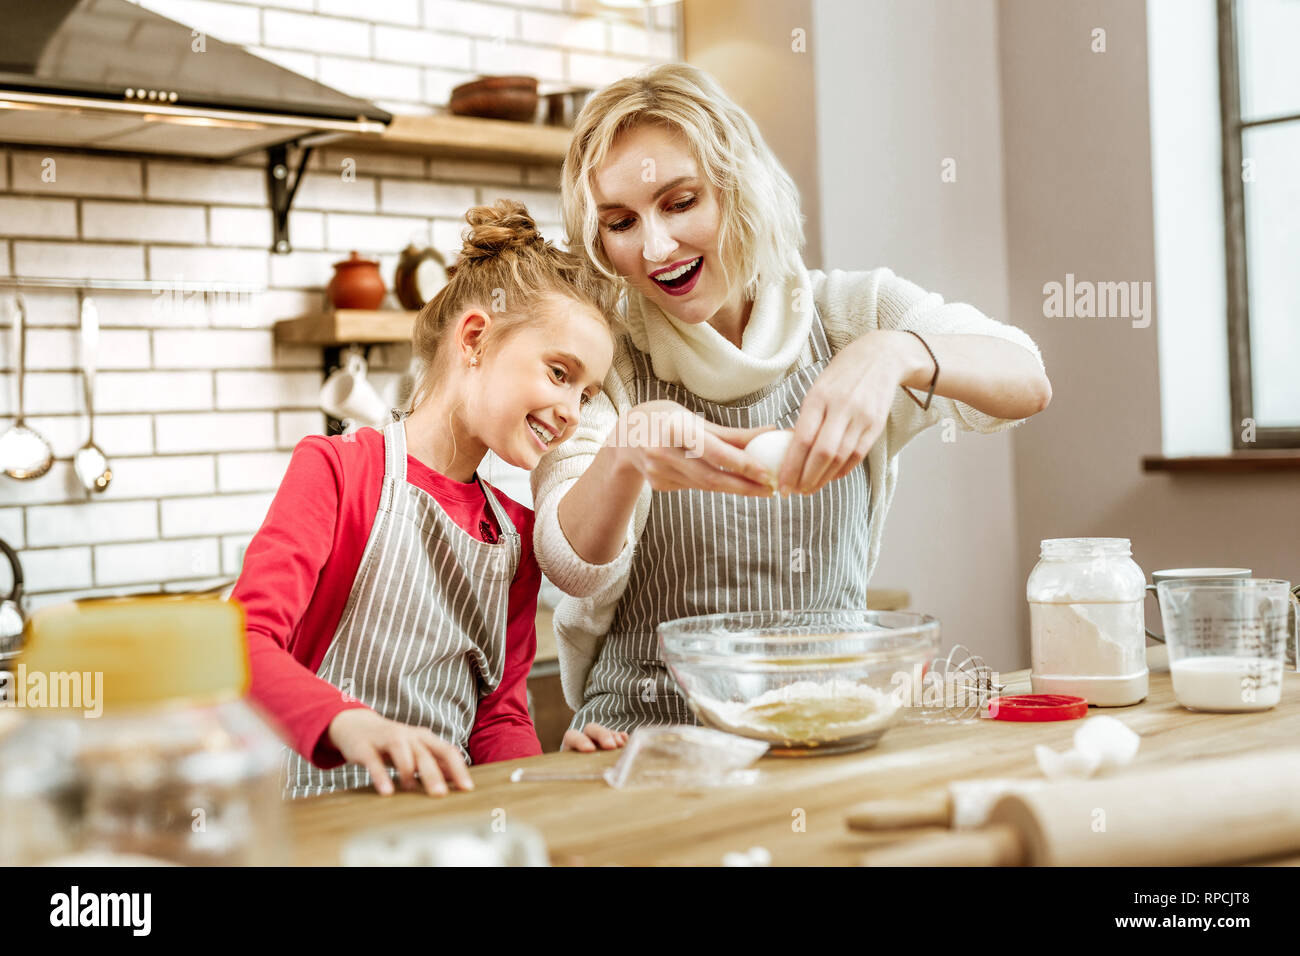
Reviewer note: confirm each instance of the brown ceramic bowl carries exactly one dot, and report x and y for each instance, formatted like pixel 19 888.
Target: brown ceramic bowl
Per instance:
pixel 497 97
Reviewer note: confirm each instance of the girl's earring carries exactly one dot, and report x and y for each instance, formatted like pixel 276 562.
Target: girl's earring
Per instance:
pixel 473 361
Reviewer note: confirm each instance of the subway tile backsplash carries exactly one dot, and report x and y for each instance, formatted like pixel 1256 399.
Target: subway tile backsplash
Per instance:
pixel 196 405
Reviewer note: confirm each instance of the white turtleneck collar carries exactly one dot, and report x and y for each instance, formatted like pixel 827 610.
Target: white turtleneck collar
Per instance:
pixel 703 360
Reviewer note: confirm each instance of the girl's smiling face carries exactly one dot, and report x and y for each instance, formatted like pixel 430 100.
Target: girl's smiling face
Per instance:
pixel 530 389
pixel 658 222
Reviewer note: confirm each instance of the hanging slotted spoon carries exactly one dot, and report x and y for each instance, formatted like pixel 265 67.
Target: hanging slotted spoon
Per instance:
pixel 90 462
pixel 24 453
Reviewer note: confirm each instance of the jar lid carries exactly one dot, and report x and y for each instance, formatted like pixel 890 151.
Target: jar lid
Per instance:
pixel 1084 547
pixel 1038 707
pixel 146 650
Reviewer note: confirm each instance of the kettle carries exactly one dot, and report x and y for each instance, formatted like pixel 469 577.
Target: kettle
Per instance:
pixel 12 621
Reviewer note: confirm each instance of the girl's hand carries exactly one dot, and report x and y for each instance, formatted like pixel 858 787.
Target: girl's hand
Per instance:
pixel 591 737
pixel 364 737
pixel 673 448
pixel 844 412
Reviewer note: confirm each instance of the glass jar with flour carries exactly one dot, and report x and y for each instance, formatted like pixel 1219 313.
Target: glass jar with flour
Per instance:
pixel 1087 634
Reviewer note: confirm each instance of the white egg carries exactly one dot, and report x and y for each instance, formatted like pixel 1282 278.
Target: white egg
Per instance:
pixel 769 449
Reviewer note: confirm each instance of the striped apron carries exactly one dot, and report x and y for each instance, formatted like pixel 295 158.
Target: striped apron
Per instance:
pixel 422 638
pixel 705 552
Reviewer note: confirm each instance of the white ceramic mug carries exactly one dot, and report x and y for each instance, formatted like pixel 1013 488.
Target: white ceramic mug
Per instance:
pixel 348 395
pixel 1172 574
pixel 398 392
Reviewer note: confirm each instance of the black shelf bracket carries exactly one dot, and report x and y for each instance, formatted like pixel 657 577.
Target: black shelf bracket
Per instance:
pixel 281 192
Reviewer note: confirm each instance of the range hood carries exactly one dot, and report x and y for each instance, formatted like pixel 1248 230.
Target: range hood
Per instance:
pixel 107 74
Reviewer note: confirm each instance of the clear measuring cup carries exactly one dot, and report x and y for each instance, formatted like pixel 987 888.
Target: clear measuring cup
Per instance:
pixel 1228 640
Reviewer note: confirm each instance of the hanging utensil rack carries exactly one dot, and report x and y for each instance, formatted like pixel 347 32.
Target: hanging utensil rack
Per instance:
pixel 125 285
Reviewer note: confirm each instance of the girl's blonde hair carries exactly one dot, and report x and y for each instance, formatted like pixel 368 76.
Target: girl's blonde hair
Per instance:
pixel 505 268
pixel 762 229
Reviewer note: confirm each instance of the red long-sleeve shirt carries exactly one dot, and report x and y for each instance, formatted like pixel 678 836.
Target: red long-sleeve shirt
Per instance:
pixel 299 569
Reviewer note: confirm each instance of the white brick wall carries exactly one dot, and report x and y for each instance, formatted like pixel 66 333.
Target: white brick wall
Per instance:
pixel 504 57
pixel 11 527
pixel 56 569
pixel 58 173
pixel 250 471
pixel 229 22
pixel 186 517
pixel 423 47
pixel 429 199
pixel 390 11
pixel 219 431
pixel 331 191
pixel 153 391
pixel 464 16
pixel 38 216
pixel 73 260
pixel 160 476
pixel 197 407
pixel 578 33
pixel 143 222
pixel 268 389
pixel 225 348
pixel 149 563
pixel 92 523
pixel 199 182
pixel 123 434
pixel 61 349
pixel 319 34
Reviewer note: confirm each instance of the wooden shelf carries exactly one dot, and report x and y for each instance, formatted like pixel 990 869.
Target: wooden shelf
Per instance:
pixel 466 137
pixel 347 326
pixel 1236 463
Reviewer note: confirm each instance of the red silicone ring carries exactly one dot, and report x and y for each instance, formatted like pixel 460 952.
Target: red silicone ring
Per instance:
pixel 1037 707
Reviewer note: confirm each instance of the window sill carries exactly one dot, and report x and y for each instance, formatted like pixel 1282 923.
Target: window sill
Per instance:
pixel 1238 462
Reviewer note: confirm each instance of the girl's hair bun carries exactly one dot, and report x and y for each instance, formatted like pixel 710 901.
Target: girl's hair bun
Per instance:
pixel 496 229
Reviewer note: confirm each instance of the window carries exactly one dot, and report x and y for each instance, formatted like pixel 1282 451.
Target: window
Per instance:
pixel 1259 87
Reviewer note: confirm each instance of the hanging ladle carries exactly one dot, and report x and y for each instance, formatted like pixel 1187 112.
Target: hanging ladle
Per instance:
pixel 24 453
pixel 90 462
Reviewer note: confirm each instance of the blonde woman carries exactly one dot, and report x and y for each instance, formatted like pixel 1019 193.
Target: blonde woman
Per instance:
pixel 653 510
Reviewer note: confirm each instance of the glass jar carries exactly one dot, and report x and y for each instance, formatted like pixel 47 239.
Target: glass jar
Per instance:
pixel 139 746
pixel 1087 630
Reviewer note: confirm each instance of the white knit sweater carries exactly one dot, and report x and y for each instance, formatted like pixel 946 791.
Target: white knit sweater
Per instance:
pixel 704 361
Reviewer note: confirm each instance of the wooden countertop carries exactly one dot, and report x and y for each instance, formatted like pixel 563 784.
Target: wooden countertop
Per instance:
pixel 591 823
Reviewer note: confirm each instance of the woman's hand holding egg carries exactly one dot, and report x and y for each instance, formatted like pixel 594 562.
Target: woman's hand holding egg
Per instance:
pixel 673 448
pixel 843 413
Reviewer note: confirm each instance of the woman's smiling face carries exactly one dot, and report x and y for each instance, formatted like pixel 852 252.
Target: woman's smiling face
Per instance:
pixel 659 220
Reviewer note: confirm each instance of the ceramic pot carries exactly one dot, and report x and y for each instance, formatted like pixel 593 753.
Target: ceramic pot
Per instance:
pixel 357 284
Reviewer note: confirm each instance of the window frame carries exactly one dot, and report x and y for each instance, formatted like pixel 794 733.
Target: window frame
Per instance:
pixel 1234 230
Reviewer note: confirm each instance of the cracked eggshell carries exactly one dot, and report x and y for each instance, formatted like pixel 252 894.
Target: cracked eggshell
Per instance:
pixel 1110 739
pixel 769 449
pixel 1065 766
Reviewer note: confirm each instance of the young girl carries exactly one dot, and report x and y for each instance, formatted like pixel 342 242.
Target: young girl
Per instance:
pixel 391 594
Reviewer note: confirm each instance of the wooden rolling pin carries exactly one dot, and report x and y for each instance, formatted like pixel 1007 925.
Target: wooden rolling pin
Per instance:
pixel 1201 812
pixel 965 803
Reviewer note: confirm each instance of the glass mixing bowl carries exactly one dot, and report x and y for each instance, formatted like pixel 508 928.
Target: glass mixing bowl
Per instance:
pixel 807 682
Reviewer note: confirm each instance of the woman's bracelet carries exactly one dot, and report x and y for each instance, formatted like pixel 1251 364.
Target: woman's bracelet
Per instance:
pixel 933 380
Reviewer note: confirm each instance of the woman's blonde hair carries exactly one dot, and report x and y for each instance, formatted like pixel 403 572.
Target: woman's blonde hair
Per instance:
pixel 762 229
pixel 505 268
